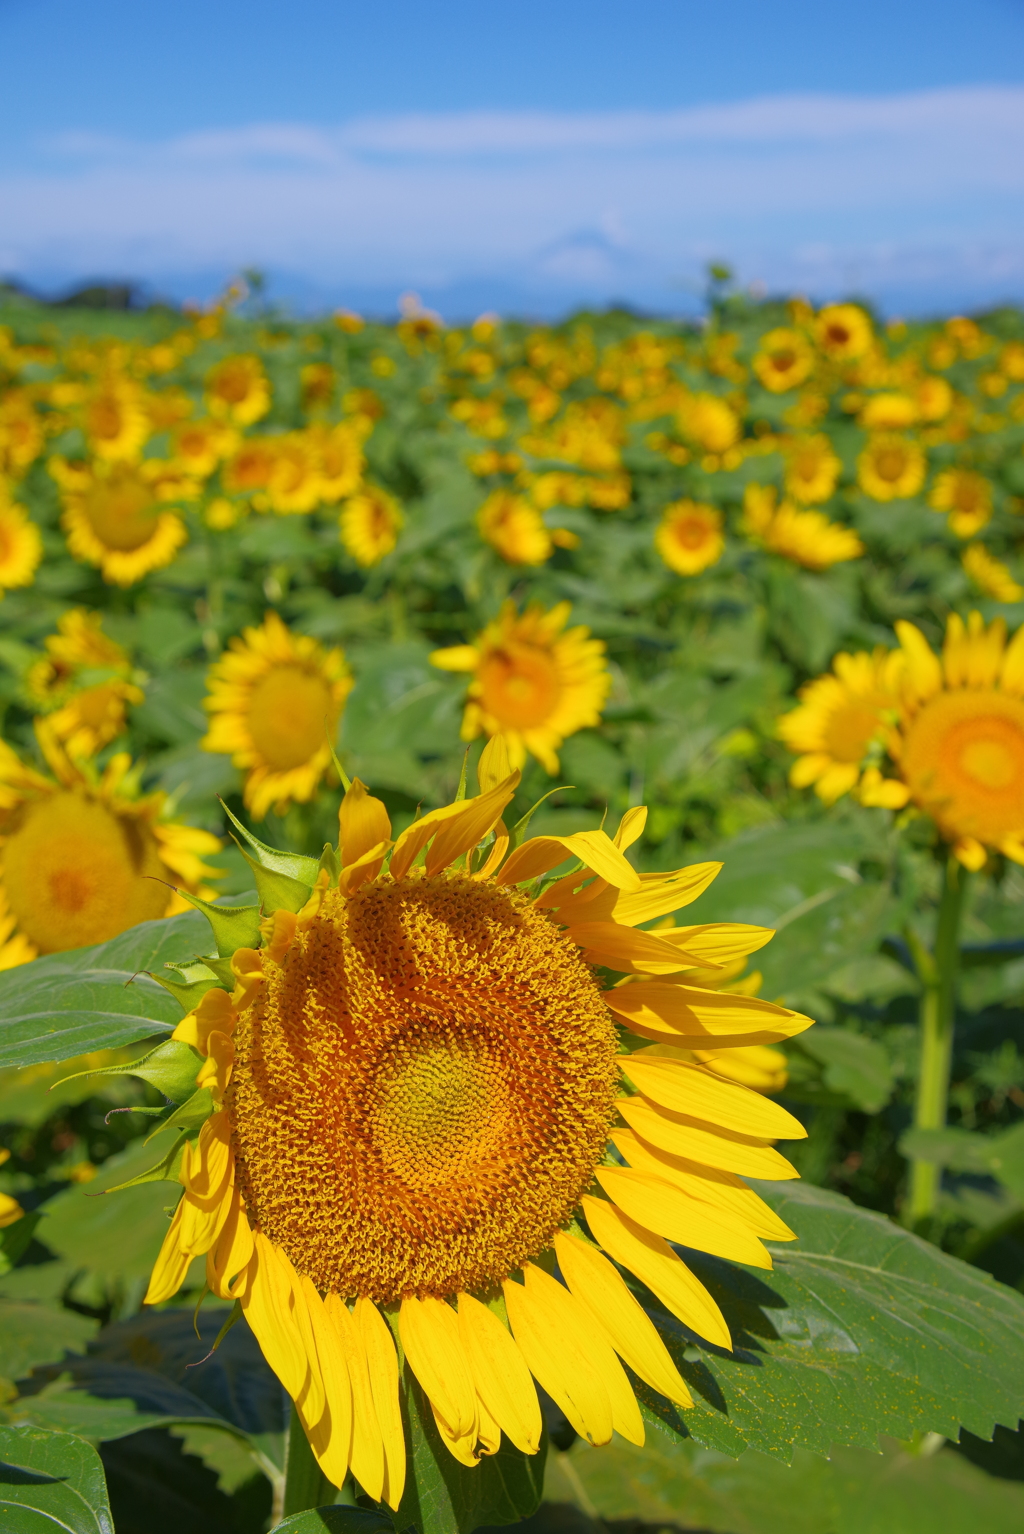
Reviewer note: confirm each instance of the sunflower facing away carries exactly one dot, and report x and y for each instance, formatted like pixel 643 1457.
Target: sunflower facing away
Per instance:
pixel 275 699
pixel 534 681
pixel 83 855
pixel 959 744
pixel 430 1121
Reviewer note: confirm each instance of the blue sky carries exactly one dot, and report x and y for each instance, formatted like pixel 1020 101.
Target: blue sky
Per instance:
pixel 524 156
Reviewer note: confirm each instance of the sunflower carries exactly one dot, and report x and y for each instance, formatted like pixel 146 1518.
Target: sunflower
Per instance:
pixel 889 411
pixel 83 855
pixel 21 545
pixel 990 575
pixel 275 699
pixel 249 468
pixel 839 719
pixel 959 744
pixel 370 524
pixel 689 537
pixel 709 422
pixel 117 519
pixel 966 496
pixel 807 538
pixel 534 681
pixel 199 446
pixel 237 390
pixel 340 450
pixel 515 528
pixel 293 484
pixel 891 467
pixel 812 469
pixel 432 1124
pixel 21 432
pixel 83 684
pixel 843 332
pixel 783 359
pixel 114 419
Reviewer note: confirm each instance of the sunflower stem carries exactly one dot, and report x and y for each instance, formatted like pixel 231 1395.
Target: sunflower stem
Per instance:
pixel 938 1005
pixel 305 1484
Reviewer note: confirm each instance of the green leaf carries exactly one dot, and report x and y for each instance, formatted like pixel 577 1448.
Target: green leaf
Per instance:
pixel 855 1491
pixel 998 1155
pixel 443 1497
pixel 50 1482
pixel 14 1239
pixel 861 1329
pixel 277 891
pixel 171 1067
pixel 855 1066
pixel 293 865
pixel 984 955
pixel 160 1485
pixel 336 1520
pixel 33 1334
pixel 32 1094
pixel 234 926
pixel 68 1004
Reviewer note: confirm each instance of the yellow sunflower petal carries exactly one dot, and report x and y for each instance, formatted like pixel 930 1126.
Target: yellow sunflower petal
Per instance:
pixel 500 1374
pixel 594 848
pixel 455 828
pixel 429 1329
pixel 363 823
pixel 171 1264
pixel 654 1262
pixel 269 1310
pixel 382 1363
pixel 626 949
pixel 597 1285
pixel 747 1155
pixel 367 1456
pixel 330 1436
pixel 689 1016
pixel 722 1189
pixel 668 1211
pixel 660 894
pixel 924 670
pixel 698 1093
pixel 558 1362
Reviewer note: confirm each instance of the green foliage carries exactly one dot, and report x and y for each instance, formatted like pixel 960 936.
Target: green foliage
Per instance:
pixel 336 1520
pixel 51 1482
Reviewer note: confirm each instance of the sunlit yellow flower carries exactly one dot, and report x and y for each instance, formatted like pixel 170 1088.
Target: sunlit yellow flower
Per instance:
pixel 114 419
pixel 534 681
pixel 274 700
pixel 812 469
pixel 966 496
pixel 891 467
pixel 83 684
pixel 294 484
pixel 238 390
pixel 783 359
pixel 990 575
pixel 118 521
pixel 341 460
pixel 843 332
pixel 84 856
pixel 934 399
pixel 689 537
pixel 199 446
pixel 590 434
pixel 440 1137
pixel 889 412
pixel 840 717
pixel 249 468
pixel 806 537
pixel 709 422
pixel 21 433
pixel 21 546
pixel 370 524
pixel 515 528
pixel 959 748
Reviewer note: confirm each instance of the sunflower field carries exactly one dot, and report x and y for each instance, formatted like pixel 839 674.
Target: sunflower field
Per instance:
pixel 377 700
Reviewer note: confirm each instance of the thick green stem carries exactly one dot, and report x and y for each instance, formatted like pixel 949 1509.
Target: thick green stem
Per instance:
pixel 938 1003
pixel 305 1484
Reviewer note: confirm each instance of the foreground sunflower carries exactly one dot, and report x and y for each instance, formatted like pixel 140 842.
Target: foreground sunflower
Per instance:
pixel 274 700
pixel 534 681
pixel 431 1122
pixel 84 855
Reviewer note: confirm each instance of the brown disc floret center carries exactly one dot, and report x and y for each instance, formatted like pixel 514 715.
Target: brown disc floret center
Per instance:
pixel 422 1089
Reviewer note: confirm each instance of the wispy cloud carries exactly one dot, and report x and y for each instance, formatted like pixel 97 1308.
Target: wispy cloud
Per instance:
pixel 811 190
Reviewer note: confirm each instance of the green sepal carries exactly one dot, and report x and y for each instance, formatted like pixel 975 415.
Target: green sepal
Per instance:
pixel 171 1067
pixel 164 1171
pixel 197 979
pixel 234 1317
pixel 234 926
pixel 520 828
pixel 329 860
pixel 277 891
pixel 294 865
pixel 222 969
pixel 346 781
pixel 460 792
pixel 187 1116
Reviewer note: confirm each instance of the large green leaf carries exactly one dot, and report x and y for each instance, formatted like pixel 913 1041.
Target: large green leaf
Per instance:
pixel 443 1497
pixel 67 1004
pixel 33 1334
pixel 862 1329
pixel 51 1482
pixel 853 1492
pixel 157 1486
pixel 335 1520
pixel 994 1155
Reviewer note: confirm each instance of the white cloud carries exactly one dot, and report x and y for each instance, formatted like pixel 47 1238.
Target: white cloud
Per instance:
pixel 836 190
